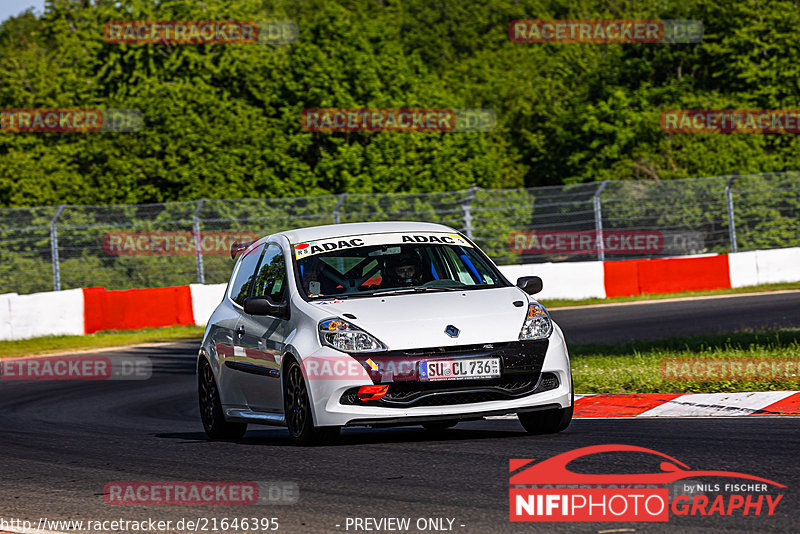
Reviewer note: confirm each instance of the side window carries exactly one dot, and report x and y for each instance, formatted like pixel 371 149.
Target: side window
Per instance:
pixel 271 278
pixel 240 285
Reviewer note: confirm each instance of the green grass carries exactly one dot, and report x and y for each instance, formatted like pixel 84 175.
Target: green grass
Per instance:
pixel 563 303
pixel 111 338
pixel 636 367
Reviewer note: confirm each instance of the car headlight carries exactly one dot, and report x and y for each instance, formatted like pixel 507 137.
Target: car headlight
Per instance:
pixel 537 323
pixel 343 336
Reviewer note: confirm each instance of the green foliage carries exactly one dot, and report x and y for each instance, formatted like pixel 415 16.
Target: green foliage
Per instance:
pixel 223 121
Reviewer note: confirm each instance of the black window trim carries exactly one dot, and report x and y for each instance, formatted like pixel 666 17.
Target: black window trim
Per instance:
pixel 239 266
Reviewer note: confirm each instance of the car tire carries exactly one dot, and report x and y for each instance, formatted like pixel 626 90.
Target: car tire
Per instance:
pixel 297 410
pixel 548 421
pixel 439 426
pixel 211 414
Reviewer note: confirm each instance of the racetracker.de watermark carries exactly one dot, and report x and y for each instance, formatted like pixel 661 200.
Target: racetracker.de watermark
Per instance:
pixel 76 368
pixel 359 367
pixel 207 493
pixel 200 32
pixel 63 120
pixel 766 121
pixel 173 243
pixel 149 524
pixel 606 31
pixel 705 369
pixel 586 241
pixel 427 120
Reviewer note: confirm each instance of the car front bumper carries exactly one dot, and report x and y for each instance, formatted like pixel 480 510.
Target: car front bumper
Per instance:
pixel 330 410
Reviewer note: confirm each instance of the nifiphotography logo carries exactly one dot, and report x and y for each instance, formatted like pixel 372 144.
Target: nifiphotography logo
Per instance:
pixel 549 491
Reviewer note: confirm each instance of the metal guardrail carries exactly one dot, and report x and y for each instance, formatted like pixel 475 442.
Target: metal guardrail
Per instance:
pixel 61 247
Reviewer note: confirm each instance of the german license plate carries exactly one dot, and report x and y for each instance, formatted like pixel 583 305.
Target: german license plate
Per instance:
pixel 459 369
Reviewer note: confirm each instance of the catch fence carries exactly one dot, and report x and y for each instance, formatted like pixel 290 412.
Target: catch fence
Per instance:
pixel 174 243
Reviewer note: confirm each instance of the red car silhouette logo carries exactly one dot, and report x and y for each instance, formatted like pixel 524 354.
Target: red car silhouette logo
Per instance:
pixel 555 471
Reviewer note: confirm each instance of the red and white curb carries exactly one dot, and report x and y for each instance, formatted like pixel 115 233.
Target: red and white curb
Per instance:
pixel 754 403
pixel 622 405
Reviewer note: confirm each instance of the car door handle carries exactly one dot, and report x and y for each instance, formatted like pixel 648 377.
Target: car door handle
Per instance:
pixel 240 330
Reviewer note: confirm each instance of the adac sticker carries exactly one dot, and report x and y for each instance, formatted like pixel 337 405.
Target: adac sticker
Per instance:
pixel 303 250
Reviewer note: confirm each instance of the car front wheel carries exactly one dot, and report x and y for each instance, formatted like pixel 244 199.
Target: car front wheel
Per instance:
pixel 548 421
pixel 297 410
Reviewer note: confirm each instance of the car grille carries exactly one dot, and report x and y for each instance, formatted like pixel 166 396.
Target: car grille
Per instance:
pixel 549 381
pixel 455 349
pixel 408 394
pixel 518 360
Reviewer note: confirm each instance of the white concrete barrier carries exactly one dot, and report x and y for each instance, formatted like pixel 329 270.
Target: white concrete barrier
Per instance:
pixel 53 313
pixel 743 269
pixel 568 280
pixel 764 266
pixel 5 316
pixel 205 299
pixel 778 265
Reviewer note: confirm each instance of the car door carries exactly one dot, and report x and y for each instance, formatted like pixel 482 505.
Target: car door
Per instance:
pixel 262 337
pixel 225 339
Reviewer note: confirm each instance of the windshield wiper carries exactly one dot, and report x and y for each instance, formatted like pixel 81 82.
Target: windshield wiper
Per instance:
pixel 395 291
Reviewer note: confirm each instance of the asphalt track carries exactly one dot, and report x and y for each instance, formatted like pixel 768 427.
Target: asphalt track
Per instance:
pixel 614 323
pixel 61 442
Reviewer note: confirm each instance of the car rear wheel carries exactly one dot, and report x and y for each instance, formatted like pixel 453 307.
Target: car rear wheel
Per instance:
pixel 297 410
pixel 214 422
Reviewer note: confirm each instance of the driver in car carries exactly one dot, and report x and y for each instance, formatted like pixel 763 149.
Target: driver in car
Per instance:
pixel 403 271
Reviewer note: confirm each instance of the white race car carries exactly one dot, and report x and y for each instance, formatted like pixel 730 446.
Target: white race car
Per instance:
pixel 378 324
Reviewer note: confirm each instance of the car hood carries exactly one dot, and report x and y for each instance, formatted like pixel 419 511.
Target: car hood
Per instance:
pixel 419 320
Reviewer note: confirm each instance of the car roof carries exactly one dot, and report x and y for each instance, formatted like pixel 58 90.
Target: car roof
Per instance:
pixel 313 233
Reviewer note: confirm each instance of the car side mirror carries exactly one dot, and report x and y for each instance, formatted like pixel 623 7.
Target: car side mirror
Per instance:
pixel 530 284
pixel 265 306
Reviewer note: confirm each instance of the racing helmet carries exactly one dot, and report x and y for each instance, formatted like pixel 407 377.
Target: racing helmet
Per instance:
pixel 404 269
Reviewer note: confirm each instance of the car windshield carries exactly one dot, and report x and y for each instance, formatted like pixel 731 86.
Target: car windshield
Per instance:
pixel 381 264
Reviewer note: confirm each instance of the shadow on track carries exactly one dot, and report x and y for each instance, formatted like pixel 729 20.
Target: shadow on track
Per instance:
pixel 279 437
